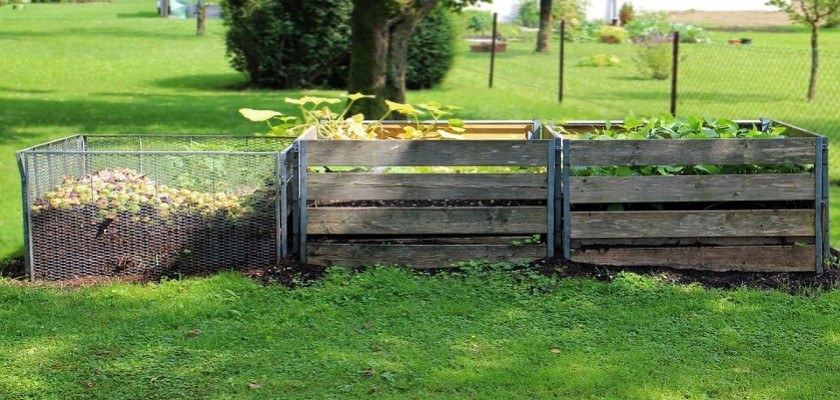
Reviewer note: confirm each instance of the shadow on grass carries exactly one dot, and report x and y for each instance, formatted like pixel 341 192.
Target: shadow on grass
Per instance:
pixel 220 82
pixel 477 335
pixel 141 14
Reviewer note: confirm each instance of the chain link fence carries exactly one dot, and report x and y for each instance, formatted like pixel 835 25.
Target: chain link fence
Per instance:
pixel 717 79
pixel 129 205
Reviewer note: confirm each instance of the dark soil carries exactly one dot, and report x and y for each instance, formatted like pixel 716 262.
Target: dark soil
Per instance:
pixel 789 282
pixel 293 274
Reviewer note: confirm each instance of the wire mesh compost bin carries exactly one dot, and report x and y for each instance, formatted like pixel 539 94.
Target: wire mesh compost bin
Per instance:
pixel 152 205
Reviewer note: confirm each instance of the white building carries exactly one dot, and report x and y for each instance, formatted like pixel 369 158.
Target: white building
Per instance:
pixel 602 9
pixel 608 9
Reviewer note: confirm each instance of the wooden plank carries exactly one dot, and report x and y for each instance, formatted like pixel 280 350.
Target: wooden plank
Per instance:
pixel 693 188
pixel 736 258
pixel 505 240
pixel 371 186
pixel 717 223
pixel 493 128
pixel 693 241
pixel 425 220
pixel 418 256
pixel 691 152
pixel 427 152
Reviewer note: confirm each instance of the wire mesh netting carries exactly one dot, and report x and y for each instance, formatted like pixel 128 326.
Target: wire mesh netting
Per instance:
pixel 153 205
pixel 766 78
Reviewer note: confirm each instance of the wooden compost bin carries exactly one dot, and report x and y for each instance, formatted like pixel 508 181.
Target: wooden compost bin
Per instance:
pixel 427 220
pixel 745 222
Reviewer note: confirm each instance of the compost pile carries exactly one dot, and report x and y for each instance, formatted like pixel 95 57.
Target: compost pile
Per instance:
pixel 117 222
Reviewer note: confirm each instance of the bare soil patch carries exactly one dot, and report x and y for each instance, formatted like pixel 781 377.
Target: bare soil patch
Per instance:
pixel 731 19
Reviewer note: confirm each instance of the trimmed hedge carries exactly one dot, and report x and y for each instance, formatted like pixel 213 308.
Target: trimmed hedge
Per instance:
pixel 431 50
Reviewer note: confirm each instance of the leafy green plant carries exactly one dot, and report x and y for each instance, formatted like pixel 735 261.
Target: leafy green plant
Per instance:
pixel 654 56
pixel 600 60
pixel 612 34
pixel 478 24
pixel 316 113
pixel 669 127
pixel 689 33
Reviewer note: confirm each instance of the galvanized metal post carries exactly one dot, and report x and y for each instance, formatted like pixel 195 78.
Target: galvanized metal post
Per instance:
pixel 302 205
pixel 821 175
pixel 295 190
pixel 674 63
pixel 549 242
pixel 567 212
pixel 279 206
pixel 826 208
pixel 493 50
pixel 27 221
pixel 559 217
pixel 562 59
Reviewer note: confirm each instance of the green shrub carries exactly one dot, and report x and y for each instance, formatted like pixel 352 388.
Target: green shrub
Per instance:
pixel 600 60
pixel 291 44
pixel 431 50
pixel 288 43
pixel 612 34
pixel 689 33
pixel 529 14
pixel 654 56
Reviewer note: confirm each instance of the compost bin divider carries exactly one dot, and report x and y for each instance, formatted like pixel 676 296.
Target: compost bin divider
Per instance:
pixel 566 197
pixel 302 205
pixel 279 206
pixel 550 170
pixel 820 209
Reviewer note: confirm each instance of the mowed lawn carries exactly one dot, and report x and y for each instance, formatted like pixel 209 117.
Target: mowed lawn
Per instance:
pixel 116 68
pixel 387 333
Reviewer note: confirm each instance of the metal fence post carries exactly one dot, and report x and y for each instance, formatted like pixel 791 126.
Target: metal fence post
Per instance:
pixel 493 50
pixel 562 59
pixel 674 63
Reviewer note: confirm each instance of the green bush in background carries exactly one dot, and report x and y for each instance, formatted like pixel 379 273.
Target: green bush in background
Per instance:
pixel 289 44
pixel 431 50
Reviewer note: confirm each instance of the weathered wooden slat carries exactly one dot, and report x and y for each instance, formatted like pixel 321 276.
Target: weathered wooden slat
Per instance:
pixel 418 256
pixel 693 188
pixel 518 129
pixel 653 224
pixel 736 258
pixel 505 240
pixel 693 241
pixel 370 186
pixel 691 152
pixel 425 220
pixel 427 152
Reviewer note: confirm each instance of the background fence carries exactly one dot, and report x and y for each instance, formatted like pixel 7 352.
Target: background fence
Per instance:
pixel 767 78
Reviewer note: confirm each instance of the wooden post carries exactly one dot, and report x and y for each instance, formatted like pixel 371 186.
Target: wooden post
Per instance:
pixel 562 59
pixel 493 50
pixel 674 63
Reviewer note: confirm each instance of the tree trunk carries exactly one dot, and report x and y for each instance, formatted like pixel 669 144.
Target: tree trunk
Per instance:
pixel 368 56
pixel 815 62
pixel 379 52
pixel 201 17
pixel 544 34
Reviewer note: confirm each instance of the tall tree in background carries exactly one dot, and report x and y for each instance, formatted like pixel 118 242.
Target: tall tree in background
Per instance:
pixel 812 13
pixel 379 48
pixel 544 35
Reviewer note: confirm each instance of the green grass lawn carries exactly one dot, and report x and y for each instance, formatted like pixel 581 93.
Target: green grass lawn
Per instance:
pixel 116 68
pixel 388 333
